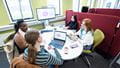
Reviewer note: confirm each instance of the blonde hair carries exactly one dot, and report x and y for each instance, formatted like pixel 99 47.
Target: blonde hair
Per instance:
pixel 88 24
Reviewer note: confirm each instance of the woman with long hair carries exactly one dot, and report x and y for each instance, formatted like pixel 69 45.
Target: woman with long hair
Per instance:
pixel 86 33
pixel 19 40
pixel 73 23
pixel 36 54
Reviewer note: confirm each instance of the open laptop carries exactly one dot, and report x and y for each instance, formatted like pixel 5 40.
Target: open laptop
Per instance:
pixel 59 39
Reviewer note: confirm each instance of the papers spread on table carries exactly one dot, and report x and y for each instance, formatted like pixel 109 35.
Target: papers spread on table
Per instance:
pixel 74 45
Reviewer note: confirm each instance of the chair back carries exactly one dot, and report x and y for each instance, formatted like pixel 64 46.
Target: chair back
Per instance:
pixel 19 62
pixel 98 37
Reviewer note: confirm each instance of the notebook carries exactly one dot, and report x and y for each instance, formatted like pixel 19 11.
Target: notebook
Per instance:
pixel 44 31
pixel 59 39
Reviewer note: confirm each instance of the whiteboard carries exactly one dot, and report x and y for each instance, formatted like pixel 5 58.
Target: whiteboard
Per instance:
pixel 45 13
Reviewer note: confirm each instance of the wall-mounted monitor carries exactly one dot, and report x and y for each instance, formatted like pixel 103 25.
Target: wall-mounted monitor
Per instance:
pixel 45 13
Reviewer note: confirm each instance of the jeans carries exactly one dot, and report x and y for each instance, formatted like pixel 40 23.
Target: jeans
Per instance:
pixel 51 66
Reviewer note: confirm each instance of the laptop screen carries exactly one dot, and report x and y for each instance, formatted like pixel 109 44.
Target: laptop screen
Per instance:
pixel 60 35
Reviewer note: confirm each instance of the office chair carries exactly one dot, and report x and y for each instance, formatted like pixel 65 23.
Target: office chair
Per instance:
pixel 98 38
pixel 85 9
pixel 19 62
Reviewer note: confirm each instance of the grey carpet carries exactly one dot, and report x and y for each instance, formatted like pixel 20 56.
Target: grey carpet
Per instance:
pixel 97 62
pixel 3 60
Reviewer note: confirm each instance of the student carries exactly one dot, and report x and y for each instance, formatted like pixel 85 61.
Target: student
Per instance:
pixel 86 33
pixel 73 23
pixel 20 29
pixel 36 54
pixel 15 39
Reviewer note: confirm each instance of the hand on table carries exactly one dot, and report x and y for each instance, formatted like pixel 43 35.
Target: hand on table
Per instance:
pixel 50 47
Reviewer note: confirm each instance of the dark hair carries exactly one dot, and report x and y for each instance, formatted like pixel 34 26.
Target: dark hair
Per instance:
pixel 31 37
pixel 75 18
pixel 17 25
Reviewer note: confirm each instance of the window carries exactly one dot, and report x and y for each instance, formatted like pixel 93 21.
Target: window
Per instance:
pixel 55 4
pixel 19 9
pixel 76 5
pixel 111 3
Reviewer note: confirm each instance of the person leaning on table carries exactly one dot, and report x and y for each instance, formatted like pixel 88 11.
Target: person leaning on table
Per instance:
pixel 15 42
pixel 20 28
pixel 86 33
pixel 36 54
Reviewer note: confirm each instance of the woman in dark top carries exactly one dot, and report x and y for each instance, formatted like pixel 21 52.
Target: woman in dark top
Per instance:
pixel 19 40
pixel 73 23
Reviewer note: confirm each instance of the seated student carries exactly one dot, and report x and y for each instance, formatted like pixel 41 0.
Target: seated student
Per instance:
pixel 86 33
pixel 20 29
pixel 36 54
pixel 73 23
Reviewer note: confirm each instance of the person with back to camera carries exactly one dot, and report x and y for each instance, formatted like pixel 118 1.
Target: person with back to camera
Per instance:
pixel 19 40
pixel 36 54
pixel 73 23
pixel 86 33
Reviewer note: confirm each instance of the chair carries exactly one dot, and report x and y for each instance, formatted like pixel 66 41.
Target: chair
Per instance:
pixel 19 62
pixel 98 38
pixel 85 9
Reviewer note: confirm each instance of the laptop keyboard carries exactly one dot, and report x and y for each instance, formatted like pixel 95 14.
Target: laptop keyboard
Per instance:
pixel 57 43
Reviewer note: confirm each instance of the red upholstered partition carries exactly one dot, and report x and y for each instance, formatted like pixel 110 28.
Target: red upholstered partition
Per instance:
pixel 69 14
pixel 107 24
pixel 115 48
pixel 106 11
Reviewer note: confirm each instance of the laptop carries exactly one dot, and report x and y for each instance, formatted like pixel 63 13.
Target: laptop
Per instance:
pixel 59 39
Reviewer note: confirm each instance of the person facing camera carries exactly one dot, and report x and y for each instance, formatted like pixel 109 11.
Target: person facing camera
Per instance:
pixel 73 23
pixel 19 40
pixel 36 54
pixel 86 33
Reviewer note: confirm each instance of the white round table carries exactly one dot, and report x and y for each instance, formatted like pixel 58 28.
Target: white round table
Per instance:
pixel 71 49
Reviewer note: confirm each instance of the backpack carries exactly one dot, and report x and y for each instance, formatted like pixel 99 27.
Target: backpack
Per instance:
pixel 11 50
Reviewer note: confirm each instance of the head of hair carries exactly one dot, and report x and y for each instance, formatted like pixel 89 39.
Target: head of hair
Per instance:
pixel 31 37
pixel 17 25
pixel 87 23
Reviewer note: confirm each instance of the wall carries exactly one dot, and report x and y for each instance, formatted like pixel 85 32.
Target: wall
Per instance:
pixel 4 19
pixel 66 5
